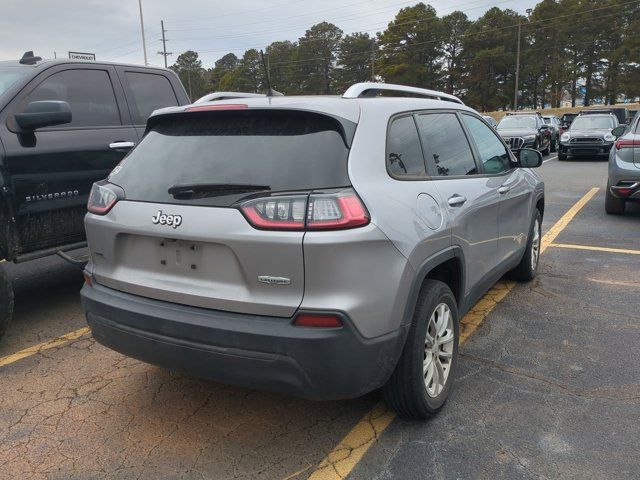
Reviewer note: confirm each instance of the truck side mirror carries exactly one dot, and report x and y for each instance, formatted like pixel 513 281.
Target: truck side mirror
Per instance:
pixel 46 113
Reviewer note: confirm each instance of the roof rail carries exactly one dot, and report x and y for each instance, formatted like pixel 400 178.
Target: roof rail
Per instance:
pixel 371 89
pixel 210 97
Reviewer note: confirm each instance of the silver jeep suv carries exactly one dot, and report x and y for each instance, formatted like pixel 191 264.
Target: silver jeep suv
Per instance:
pixel 318 246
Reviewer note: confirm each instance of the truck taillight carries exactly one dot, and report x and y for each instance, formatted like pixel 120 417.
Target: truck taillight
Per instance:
pixel 101 199
pixel 318 211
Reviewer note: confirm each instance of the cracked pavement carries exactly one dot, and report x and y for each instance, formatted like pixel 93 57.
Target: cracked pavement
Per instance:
pixel 548 385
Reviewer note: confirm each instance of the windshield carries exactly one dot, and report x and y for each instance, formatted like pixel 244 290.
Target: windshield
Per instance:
pixel 10 75
pixel 589 122
pixel 277 150
pixel 517 121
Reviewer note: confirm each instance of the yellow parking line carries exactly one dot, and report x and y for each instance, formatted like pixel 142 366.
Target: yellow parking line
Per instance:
pixel 346 455
pixel 56 342
pixel 560 225
pixel 617 283
pixel 595 249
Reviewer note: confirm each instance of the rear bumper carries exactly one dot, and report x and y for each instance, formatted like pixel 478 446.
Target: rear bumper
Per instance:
pixel 264 353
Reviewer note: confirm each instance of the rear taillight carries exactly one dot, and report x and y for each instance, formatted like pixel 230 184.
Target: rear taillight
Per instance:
pixel 317 320
pixel 322 211
pixel 277 213
pixel 625 143
pixel 101 199
pixel 87 278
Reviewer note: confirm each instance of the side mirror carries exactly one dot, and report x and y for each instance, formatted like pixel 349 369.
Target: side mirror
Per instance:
pixel 544 127
pixel 618 131
pixel 529 158
pixel 46 113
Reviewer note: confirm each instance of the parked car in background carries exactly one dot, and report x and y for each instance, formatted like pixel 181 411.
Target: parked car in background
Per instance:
pixel 554 126
pixel 565 121
pixel 490 120
pixel 65 124
pixel 325 275
pixel 589 136
pixel 621 113
pixel 623 183
pixel 525 130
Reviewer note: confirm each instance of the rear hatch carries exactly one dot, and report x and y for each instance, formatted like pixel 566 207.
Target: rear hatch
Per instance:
pixel 178 233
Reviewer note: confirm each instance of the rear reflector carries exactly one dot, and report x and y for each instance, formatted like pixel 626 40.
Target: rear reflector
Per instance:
pixel 87 278
pixel 317 320
pixel 325 211
pixel 225 106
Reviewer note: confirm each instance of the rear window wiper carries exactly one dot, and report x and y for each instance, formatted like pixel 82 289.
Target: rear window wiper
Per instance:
pixel 203 190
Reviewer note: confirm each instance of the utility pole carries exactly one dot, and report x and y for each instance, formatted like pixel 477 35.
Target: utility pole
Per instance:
pixel 144 42
pixel 515 94
pixel 164 45
pixel 373 61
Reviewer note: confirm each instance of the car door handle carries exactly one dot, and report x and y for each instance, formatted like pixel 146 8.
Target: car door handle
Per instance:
pixel 122 145
pixel 502 190
pixel 456 200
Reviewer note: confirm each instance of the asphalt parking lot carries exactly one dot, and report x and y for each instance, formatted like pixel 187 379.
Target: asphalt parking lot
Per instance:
pixel 548 385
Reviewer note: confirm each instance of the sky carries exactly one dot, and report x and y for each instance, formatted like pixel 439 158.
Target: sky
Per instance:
pixel 111 28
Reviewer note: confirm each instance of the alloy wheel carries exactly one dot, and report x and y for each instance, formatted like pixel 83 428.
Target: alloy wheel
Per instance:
pixel 535 245
pixel 438 350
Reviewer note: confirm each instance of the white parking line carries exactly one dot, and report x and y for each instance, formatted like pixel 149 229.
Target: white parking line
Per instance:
pixel 549 159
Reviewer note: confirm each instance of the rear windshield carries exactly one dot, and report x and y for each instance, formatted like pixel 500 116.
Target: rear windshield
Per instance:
pixel 283 150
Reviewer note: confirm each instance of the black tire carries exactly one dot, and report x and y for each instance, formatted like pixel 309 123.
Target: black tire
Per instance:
pixel 562 156
pixel 554 145
pixel 527 269
pixel 613 205
pixel 547 150
pixel 406 391
pixel 6 301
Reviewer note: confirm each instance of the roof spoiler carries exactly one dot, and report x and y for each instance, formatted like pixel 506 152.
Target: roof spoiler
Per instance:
pixel 371 89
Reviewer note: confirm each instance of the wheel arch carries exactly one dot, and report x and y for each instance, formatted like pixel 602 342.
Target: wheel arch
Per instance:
pixel 448 266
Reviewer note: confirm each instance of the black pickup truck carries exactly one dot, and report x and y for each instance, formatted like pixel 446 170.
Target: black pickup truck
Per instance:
pixel 65 124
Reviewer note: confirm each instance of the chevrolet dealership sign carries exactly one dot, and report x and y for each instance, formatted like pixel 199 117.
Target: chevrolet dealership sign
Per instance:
pixel 82 56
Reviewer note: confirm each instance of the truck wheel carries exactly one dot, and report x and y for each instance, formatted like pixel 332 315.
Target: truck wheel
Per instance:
pixel 528 266
pixel 423 376
pixel 6 301
pixel 613 205
pixel 562 156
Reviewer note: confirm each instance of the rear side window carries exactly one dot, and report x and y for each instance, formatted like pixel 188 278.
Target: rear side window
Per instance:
pixel 89 93
pixel 283 150
pixel 150 92
pixel 404 153
pixel 445 145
